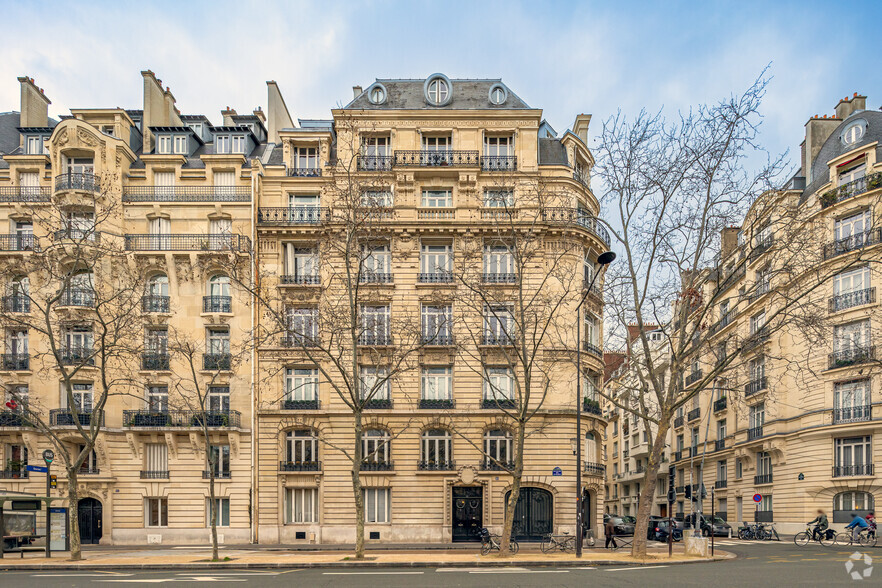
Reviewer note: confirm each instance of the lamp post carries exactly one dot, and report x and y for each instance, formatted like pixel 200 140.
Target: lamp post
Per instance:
pixel 603 259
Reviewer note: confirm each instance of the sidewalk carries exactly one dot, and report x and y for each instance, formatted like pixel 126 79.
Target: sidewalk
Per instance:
pixel 240 557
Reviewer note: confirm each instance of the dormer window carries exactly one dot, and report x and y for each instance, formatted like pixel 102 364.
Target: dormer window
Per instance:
pixel 377 94
pixel 222 144
pixel 238 144
pixel 437 90
pixel 197 128
pixel 164 145
pixel 854 132
pixel 854 171
pixel 180 144
pixel 34 145
pixel 498 94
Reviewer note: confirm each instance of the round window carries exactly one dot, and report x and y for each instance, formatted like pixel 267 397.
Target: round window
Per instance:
pixel 854 132
pixel 377 94
pixel 498 94
pixel 438 90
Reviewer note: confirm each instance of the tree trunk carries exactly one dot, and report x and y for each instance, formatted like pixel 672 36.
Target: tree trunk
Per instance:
pixel 647 494
pixel 212 511
pixel 516 476
pixel 73 519
pixel 356 488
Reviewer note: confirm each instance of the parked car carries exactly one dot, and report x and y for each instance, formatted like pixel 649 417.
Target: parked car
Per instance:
pixel 622 527
pixel 720 527
pixel 662 529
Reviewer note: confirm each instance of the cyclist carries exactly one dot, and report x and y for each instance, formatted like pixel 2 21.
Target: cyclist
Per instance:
pixel 821 525
pixel 856 525
pixel 871 520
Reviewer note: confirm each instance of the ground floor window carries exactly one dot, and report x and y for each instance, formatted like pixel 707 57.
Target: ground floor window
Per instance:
pixel 221 512
pixel 156 512
pixel 301 505
pixel 846 503
pixel 376 505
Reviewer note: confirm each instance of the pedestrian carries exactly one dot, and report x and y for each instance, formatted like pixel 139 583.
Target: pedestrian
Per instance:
pixel 871 520
pixel 821 525
pixel 609 530
pixel 857 525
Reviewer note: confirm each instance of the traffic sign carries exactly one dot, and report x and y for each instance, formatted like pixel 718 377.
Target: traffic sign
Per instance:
pixel 557 472
pixel 33 468
pixel 757 497
pixel 48 456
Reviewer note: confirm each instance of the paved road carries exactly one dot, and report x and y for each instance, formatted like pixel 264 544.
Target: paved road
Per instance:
pixel 759 564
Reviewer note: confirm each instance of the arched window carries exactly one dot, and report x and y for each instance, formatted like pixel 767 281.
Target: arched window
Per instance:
pixel 157 285
pixel 301 450
pixel 437 90
pixel 589 454
pixel 219 285
pixel 218 298
pixel 18 296
pixel 435 451
pixel 376 450
pixel 497 447
pixel 156 297
pixel 80 291
pixel 846 503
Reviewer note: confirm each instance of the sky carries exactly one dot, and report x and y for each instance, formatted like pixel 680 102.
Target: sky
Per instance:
pixel 563 57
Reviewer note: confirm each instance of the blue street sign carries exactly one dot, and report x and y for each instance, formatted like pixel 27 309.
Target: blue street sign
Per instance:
pixel 557 472
pixel 33 468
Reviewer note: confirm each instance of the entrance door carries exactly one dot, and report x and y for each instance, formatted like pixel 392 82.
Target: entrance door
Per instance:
pixel 587 517
pixel 89 512
pixel 663 510
pixel 468 513
pixel 533 515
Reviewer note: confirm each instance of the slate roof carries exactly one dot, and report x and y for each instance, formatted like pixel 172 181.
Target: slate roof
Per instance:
pixel 275 157
pixel 552 152
pixel 9 137
pixel 833 147
pixel 408 95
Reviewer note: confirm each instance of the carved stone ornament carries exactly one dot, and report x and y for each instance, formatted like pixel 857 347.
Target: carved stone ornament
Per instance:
pixel 468 474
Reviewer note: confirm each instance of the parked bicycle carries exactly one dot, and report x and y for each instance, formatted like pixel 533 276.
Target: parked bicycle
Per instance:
pixel 865 538
pixel 759 532
pixel 825 538
pixel 565 543
pixel 489 542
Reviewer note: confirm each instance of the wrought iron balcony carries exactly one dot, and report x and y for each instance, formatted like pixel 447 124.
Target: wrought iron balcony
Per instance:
pixel 377 466
pixel 224 475
pixel 851 189
pixel 756 340
pixel 852 414
pixel 213 242
pixel 499 278
pixel 500 403
pixel 16 362
pixel 292 215
pixel 719 484
pixel 296 340
pixel 65 417
pixel 695 376
pixel 148 418
pixel 304 172
pixel 499 162
pixel 754 433
pixel 31 194
pixel 864 469
pixel 762 479
pixel 852 243
pixel 84 235
pixel 437 339
pixel 290 404
pixel 83 297
pixel 851 356
pixel 442 158
pixel 378 404
pixel 436 466
pixel 678 421
pixel 216 361
pixel 493 465
pixel 371 277
pixel 186 194
pixel 78 181
pixel 18 242
pixel 300 280
pixel 761 248
pixel 499 339
pixel 592 349
pixel 217 303
pixel 435 278
pixel 755 386
pixel 436 403
pixel 370 339
pixel 77 356
pixel 86 470
pixel 181 418
pixel 719 444
pixel 582 178
pixel 155 361
pixel 155 303
pixel 17 303
pixel 720 404
pixel 591 407
pixel 576 217
pixel 14 418
pixel 693 414
pixel 594 469
pixel 154 474
pixel 852 299
pixel 300 466
pixel 374 162
pixel 13 474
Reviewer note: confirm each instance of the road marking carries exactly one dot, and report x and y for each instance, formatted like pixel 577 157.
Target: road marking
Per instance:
pixel 201 548
pixel 235 574
pixel 520 571
pixel 189 579
pixel 635 568
pixel 100 575
pixel 371 573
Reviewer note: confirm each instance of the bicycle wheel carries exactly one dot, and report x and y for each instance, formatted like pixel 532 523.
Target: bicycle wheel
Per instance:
pixel 827 541
pixel 513 547
pixel 485 547
pixel 843 539
pixel 767 535
pixel 569 545
pixel 775 534
pixel 802 539
pixel 867 541
pixel 547 544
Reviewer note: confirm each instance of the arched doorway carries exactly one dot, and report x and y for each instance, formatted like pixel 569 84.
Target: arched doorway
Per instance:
pixel 534 514
pixel 89 515
pixel 587 513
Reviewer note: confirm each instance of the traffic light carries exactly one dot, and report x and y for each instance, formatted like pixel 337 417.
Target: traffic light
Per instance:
pixel 672 495
pixel 53 481
pixel 703 491
pixel 688 490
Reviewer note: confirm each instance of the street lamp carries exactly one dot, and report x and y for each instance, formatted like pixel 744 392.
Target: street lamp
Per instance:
pixel 605 258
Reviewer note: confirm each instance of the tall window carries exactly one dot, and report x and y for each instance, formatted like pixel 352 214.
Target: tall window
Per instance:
pixel 498 260
pixel 301 505
pixel 78 343
pixel 375 384
pixel 220 457
pixel 306 157
pixel 498 146
pixel 721 429
pixel 181 145
pixel 219 398
pixel 436 260
pixel 721 470
pixel 437 199
pixel 497 445
pixel 157 286
pixel 156 460
pixel 34 145
pixel 218 341
pixel 498 199
pixel 853 227
pixel 156 512
pixel 377 503
pixel 377 260
pixel 375 146
pixel 221 512
pixel 852 280
pixel 757 415
pixel 17 343
pixel 757 370
pixel 375 325
pixel 238 144
pixel 437 383
pixel 763 463
pixel 499 325
pixel 82 397
pixel 851 401
pixel 853 336
pixel 301 446
pixel 435 448
pixel 303 326
pixel 164 144
pixel 498 384
pixel 757 322
pixel 592 330
pixel 375 446
pixel 301 263
pixel 301 384
pixel 219 285
pixel 222 144
pixel 853 454
pixel 437 323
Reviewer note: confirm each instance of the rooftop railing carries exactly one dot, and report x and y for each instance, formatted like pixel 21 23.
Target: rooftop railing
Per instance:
pixel 213 242
pixel 186 194
pixel 441 158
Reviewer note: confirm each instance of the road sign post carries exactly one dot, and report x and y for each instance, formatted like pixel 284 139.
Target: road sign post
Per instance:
pixel 48 456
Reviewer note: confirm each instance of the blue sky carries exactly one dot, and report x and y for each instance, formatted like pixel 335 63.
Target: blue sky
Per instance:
pixel 563 57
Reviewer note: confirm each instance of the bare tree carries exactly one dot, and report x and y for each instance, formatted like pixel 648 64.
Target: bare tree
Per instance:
pixel 76 292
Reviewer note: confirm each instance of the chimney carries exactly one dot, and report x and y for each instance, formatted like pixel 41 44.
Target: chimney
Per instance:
pixel 356 92
pixel 155 108
pixel 173 115
pixel 580 127
pixel 728 241
pixel 817 131
pixel 277 113
pixel 259 114
pixel 34 104
pixel 228 114
pixel 848 106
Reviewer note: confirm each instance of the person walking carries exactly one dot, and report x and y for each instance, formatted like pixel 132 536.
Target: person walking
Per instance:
pixel 857 525
pixel 609 529
pixel 820 522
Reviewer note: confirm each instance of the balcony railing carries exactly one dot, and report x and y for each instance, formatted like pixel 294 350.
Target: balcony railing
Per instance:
pixel 217 303
pixel 15 362
pixel 491 465
pixel 19 473
pixel 377 466
pixel 290 404
pixel 181 418
pixel 300 280
pixel 755 340
pixel 304 172
pixel 371 277
pixel 695 376
pixel 444 158
pixel 754 433
pixel 155 361
pixel 292 215
pixel 851 356
pixel 14 418
pixel 762 479
pixel 719 444
pixel 851 189
pixel 18 242
pixel 851 414
pixel 436 466
pixel 378 404
pixel 64 417
pixel 761 248
pixel 501 403
pixel 17 303
pixel 374 162
pixel 375 339
pixel 83 297
pixel 77 356
pixel 208 242
pixel 755 386
pixel 852 243
pixel 499 278
pixel 719 484
pixel 591 406
pixel 864 469
pixel 86 470
pixel 436 403
pixel 154 474
pixel 25 193
pixel 78 181
pixel 594 469
pixel 224 475
pixel 693 414
pixel 852 299
pixel 592 349
pixel 295 340
pixel 186 194
pixel 155 303
pixel 300 466
pixel 678 421
pixel 435 278
pixel 499 162
pixel 437 340
pixel 217 361
pixel 577 217
pixel 500 339
pixel 720 404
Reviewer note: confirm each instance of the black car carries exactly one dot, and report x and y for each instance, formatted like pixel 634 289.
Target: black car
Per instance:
pixel 662 528
pixel 720 527
pixel 622 527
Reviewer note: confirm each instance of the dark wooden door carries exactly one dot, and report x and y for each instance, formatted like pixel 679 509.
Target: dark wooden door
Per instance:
pixel 89 514
pixel 534 514
pixel 468 513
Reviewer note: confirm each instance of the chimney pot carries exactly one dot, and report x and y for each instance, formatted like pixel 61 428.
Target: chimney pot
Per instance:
pixel 356 91
pixel 855 95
